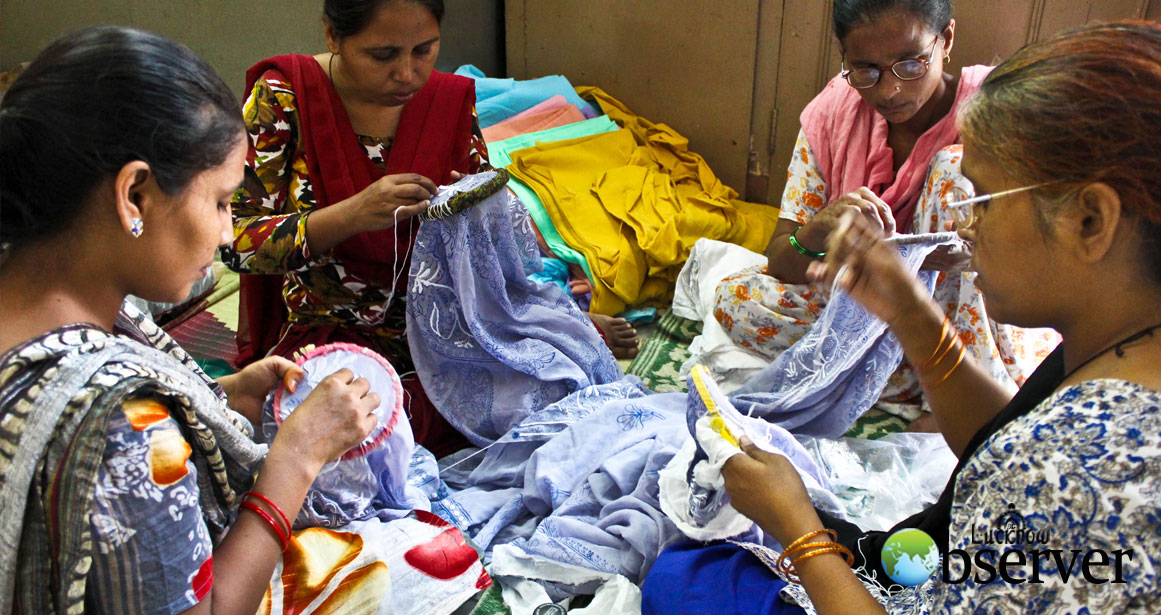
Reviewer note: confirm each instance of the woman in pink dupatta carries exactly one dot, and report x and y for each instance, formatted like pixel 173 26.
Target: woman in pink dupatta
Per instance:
pixel 881 139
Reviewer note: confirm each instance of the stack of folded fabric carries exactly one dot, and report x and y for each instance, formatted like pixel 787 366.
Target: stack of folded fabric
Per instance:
pixel 619 198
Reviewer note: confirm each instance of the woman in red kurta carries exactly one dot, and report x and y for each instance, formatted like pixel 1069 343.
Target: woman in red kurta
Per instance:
pixel 345 148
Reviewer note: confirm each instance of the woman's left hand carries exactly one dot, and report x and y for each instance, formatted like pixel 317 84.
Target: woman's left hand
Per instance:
pixel 767 489
pixel 246 390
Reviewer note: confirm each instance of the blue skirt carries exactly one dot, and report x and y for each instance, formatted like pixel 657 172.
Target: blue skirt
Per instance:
pixel 717 578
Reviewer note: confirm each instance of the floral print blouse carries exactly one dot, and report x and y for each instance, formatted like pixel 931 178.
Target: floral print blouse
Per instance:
pixel 271 208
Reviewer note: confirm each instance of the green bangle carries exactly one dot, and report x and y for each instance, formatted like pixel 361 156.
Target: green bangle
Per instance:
pixel 801 250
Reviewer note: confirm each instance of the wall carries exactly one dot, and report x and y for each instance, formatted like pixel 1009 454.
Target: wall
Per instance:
pixel 233 34
pixel 688 64
pixel 733 75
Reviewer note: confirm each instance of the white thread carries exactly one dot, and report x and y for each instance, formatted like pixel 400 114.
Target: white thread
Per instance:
pixel 469 457
pixel 395 270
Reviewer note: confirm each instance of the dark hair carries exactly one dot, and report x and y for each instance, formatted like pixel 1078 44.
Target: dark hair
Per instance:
pixel 1077 108
pixel 850 14
pixel 94 101
pixel 349 17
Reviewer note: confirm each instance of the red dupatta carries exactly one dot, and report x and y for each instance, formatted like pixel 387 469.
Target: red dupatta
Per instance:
pixel 433 139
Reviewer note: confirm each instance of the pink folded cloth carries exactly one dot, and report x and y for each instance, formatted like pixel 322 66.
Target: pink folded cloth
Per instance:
pixel 525 123
pixel 556 102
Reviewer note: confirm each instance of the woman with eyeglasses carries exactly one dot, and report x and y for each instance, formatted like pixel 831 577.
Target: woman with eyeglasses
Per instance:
pixel 879 141
pixel 1054 504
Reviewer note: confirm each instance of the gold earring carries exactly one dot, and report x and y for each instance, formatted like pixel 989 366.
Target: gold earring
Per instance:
pixel 947 59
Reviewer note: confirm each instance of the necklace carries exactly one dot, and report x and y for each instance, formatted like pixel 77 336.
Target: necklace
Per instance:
pixel 1118 348
pixel 330 70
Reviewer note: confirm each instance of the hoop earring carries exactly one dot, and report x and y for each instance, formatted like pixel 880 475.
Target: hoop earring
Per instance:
pixel 947 59
pixel 137 228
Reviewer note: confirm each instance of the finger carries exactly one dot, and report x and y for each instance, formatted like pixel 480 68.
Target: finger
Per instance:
pixel 885 215
pixel 373 400
pixel 871 214
pixel 456 175
pixel 428 186
pixel 343 375
pixel 410 211
pixel 411 193
pixel 748 447
pixel 361 386
pixel 292 376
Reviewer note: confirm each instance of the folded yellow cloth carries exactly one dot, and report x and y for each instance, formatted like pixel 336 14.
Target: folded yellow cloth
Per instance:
pixel 633 202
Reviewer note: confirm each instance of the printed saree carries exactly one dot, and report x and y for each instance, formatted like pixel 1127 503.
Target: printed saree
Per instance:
pixel 57 393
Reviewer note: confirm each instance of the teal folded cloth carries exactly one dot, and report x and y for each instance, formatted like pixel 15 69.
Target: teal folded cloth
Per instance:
pixel 500 99
pixel 500 155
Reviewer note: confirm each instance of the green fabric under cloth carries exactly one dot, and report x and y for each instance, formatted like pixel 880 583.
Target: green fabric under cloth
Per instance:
pixel 666 347
pixel 499 154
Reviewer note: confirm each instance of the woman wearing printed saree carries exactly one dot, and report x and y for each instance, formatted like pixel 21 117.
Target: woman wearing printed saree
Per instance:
pixel 880 141
pixel 1069 199
pixel 128 477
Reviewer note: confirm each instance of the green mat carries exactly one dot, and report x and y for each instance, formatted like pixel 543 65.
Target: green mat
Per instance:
pixel 658 362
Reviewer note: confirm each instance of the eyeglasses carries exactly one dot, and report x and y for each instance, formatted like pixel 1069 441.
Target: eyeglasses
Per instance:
pixel 966 210
pixel 905 70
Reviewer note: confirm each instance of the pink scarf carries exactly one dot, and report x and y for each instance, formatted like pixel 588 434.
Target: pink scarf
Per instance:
pixel 849 142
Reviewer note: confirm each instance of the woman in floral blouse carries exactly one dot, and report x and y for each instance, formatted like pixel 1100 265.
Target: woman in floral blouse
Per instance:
pixel 880 140
pixel 1055 502
pixel 346 147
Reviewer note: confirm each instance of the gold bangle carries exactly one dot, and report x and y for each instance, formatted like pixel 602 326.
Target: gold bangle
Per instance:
pixel 837 548
pixel 947 374
pixel 787 568
pixel 783 563
pixel 942 336
pixel 794 545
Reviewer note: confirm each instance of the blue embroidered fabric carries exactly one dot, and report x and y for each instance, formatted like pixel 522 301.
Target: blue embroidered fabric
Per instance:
pixel 834 374
pixel 491 346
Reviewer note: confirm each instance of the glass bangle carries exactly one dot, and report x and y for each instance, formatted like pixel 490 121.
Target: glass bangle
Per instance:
pixel 802 250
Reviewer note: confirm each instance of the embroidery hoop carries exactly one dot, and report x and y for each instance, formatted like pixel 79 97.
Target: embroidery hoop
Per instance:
pixel 468 191
pixel 385 382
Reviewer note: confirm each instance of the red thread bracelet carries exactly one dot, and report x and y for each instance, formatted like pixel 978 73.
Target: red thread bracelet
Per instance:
pixel 282 537
pixel 271 505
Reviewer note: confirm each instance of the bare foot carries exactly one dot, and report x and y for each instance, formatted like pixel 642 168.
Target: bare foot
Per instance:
pixel 620 336
pixel 924 424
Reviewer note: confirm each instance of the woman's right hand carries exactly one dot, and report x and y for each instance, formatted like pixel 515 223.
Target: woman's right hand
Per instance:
pixel 862 202
pixel 336 416
pixel 391 199
pixel 869 269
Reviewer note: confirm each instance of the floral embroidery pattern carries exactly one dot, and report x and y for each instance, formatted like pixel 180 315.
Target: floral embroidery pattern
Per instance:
pixel 765 315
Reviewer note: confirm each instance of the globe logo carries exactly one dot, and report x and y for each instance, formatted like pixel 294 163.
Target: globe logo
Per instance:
pixel 909 557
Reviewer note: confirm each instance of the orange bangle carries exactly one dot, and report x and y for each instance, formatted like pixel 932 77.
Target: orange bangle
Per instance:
pixel 947 374
pixel 271 505
pixel 794 545
pixel 783 563
pixel 837 548
pixel 942 336
pixel 787 569
pixel 282 537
